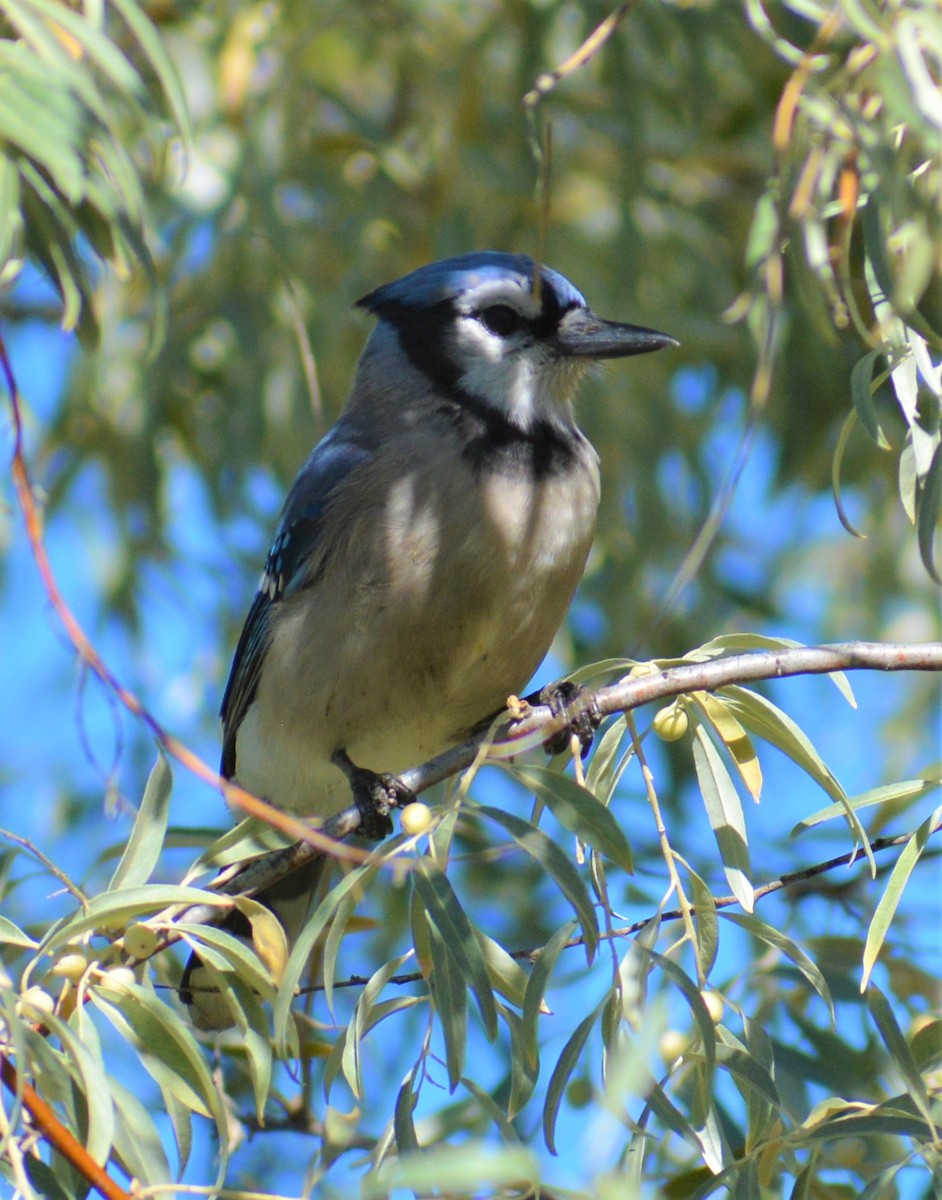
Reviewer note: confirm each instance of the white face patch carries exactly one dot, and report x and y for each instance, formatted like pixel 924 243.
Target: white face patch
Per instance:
pixel 516 373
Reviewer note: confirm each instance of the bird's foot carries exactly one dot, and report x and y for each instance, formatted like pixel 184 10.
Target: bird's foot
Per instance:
pixel 577 706
pixel 375 796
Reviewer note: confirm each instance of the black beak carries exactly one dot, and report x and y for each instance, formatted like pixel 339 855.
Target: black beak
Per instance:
pixel 581 334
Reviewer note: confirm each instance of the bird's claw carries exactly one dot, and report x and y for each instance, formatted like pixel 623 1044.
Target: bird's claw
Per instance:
pixel 577 706
pixel 375 796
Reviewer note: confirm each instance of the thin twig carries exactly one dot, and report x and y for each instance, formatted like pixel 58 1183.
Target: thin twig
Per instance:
pixel 789 879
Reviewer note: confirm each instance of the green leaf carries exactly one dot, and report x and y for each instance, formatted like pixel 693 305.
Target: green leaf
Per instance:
pixel 556 864
pixel 114 910
pixel 889 901
pixel 450 995
pixel 137 1142
pixel 358 878
pixel 777 940
pixel 606 767
pixel 761 717
pixel 691 993
pixel 536 989
pixel 718 714
pixel 725 814
pixel 448 917
pixel 524 1072
pixel 472 1168
pixel 907 789
pixel 12 935
pixel 706 922
pixel 403 1124
pixel 732 1056
pixel 926 1046
pixel 169 1052
pixel 160 62
pixel 577 810
pixel 861 390
pixel 142 852
pixel 899 1050
pixel 565 1065
pixel 507 977
pixel 929 511
pixel 83 1056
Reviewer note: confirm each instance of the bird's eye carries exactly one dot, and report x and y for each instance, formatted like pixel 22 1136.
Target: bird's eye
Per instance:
pixel 500 319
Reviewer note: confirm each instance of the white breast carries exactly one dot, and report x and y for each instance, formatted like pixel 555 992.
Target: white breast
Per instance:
pixel 439 591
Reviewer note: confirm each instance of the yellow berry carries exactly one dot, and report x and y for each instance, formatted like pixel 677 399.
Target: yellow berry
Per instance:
pixel 71 965
pixel 672 1045
pixel 671 723
pixel 415 818
pixel 35 1003
pixel 140 941
pixel 714 1005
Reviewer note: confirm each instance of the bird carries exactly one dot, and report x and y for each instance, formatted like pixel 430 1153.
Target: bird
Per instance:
pixel 430 546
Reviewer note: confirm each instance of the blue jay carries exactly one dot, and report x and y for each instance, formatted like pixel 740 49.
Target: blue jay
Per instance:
pixel 431 544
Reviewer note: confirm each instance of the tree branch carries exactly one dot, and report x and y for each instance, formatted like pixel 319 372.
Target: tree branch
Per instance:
pixel 788 880
pixel 538 723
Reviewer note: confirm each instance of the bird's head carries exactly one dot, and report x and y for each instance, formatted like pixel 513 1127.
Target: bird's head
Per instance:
pixel 498 330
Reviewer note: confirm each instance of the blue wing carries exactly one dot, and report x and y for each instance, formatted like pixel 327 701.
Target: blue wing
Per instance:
pixel 296 536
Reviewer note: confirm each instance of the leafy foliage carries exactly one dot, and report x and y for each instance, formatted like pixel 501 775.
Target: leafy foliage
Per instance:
pixel 765 184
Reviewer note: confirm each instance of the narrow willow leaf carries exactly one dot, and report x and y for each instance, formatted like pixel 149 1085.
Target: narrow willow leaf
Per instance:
pixel 536 988
pixel 167 1049
pixel 160 61
pixel 248 1016
pixel 930 508
pixel 403 1125
pixel 889 901
pixel 861 390
pixel 358 878
pixel 691 993
pixel 728 643
pixel 577 810
pixel 762 718
pixel 471 1168
pixel 493 1110
pixel 606 767
pixel 556 864
pixel 706 923
pixel 150 828
pixel 896 1044
pixel 228 952
pixel 450 995
pixel 737 742
pixel 507 977
pixel 137 1141
pixel 873 1122
pixel 448 917
pixel 114 910
pixel 926 1046
pixel 778 940
pixel 907 789
pixel 562 1072
pixel 102 52
pixel 524 1072
pixel 332 943
pixel 12 935
pixel 725 814
pixel 367 1013
pixel 746 1070
pixel 88 1079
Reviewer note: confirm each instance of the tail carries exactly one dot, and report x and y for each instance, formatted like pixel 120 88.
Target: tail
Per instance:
pixel 292 899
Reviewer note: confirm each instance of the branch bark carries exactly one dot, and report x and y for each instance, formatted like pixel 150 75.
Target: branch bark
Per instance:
pixel 513 737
